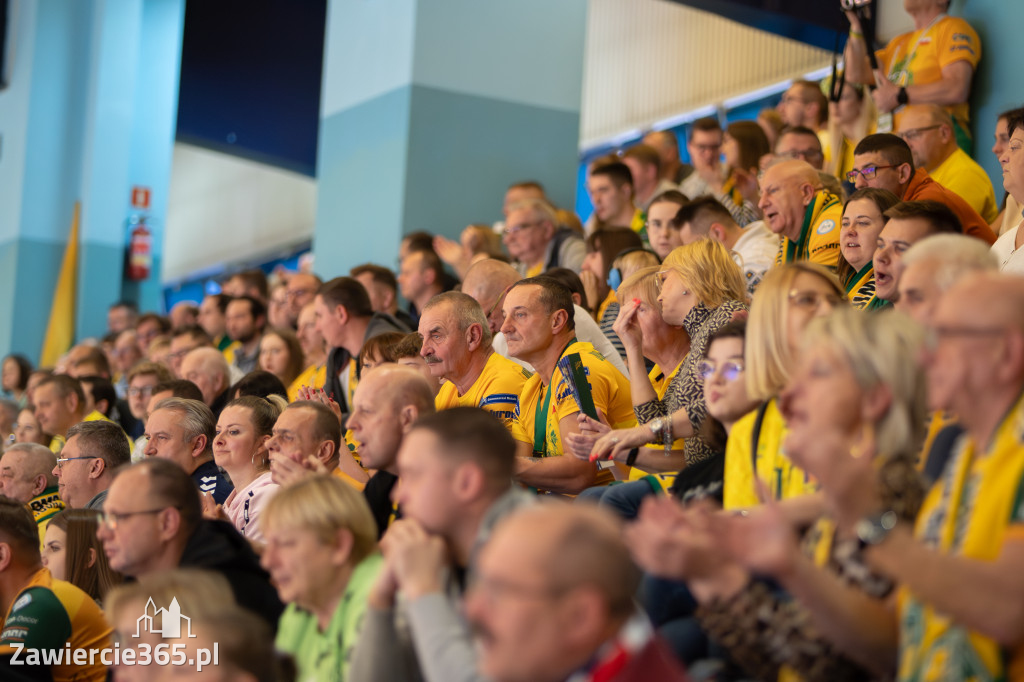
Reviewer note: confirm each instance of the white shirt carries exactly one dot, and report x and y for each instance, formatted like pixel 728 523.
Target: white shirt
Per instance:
pixel 1010 258
pixel 755 252
pixel 586 330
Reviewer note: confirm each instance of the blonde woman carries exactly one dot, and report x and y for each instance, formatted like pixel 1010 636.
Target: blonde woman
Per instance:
pixel 701 290
pixel 322 555
pixel 788 298
pixel 240 448
pixel 857 384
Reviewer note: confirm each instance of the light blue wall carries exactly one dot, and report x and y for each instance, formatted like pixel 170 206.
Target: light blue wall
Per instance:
pixel 361 157
pixel 90 111
pixel 152 141
pixel 998 85
pixel 479 95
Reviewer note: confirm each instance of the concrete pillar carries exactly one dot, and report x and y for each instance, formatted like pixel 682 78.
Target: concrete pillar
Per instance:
pixel 431 108
pixel 89 113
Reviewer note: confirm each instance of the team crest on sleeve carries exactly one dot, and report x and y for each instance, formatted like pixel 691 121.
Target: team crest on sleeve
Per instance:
pixel 826 226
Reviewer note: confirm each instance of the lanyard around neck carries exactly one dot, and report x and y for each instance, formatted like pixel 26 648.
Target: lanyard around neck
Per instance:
pixel 540 418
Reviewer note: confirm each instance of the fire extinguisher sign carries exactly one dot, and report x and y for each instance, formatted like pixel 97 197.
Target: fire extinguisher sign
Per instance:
pixel 140 197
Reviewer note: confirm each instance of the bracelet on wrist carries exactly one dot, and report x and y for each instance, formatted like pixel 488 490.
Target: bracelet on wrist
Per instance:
pixel 856 34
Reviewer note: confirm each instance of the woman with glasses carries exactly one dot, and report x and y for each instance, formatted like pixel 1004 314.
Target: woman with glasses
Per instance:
pixel 73 553
pixel 863 220
pixel 787 300
pixel 827 615
pixel 702 289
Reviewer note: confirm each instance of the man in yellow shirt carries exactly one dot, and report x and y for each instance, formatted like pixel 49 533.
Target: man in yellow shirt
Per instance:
pixel 540 329
pixel 457 348
pixel 26 475
pixel 807 218
pixel 43 616
pixel 933 64
pixel 928 130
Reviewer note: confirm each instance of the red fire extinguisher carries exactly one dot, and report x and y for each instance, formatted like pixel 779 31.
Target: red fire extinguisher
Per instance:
pixel 140 251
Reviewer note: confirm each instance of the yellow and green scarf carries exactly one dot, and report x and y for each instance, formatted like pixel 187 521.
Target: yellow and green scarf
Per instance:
pixel 970 512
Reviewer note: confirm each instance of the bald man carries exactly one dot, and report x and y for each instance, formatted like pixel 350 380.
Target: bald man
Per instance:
pixel 805 216
pixel 26 475
pixel 387 401
pixel 968 592
pixel 488 281
pixel 207 369
pixel 566 584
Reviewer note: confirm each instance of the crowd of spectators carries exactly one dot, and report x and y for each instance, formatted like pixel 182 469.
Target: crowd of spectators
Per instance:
pixel 758 418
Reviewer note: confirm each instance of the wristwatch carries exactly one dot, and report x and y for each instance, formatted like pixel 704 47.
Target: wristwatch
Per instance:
pixel 902 97
pixel 872 530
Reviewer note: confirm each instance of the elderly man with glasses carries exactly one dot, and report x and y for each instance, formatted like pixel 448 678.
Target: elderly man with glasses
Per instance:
pixel 535 241
pixel 86 467
pixel 886 162
pixel 152 522
pixel 928 130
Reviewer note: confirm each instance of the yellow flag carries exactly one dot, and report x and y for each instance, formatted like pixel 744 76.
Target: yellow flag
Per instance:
pixel 60 332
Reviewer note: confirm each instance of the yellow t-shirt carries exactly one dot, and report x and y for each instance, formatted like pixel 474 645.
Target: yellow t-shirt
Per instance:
pixel 46 614
pixel 782 477
pixel 608 386
pixel 962 174
pixel 314 376
pixel 918 57
pixel 496 390
pixel 970 512
pixel 660 382
pixel 819 236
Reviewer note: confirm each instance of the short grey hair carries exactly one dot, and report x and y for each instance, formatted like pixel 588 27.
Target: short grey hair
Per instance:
pixel 41 460
pixel 465 310
pixel 541 209
pixel 955 255
pixel 196 418
pixel 103 439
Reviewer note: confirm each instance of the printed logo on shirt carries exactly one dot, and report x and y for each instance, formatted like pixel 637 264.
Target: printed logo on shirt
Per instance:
pixel 826 226
pixel 208 483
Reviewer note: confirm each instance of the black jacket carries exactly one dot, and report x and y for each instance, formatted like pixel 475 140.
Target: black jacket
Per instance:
pixel 217 546
pixel 380 323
